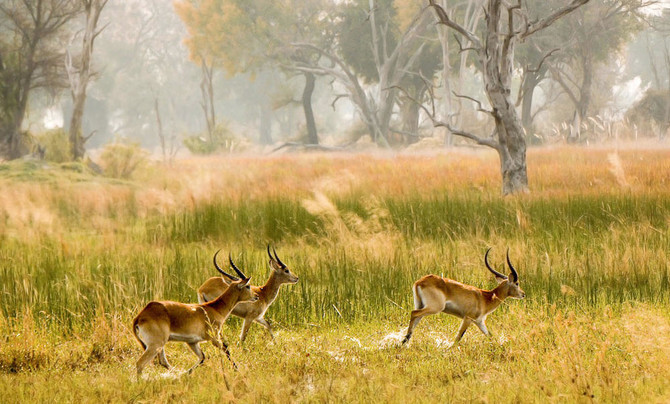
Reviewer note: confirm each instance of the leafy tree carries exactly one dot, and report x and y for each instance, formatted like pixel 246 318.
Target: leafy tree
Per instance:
pixel 144 73
pixel 594 34
pixel 257 37
pixel 31 58
pixel 390 56
pixel 398 57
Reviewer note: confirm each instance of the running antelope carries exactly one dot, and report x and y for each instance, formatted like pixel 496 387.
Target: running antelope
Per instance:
pixel 160 322
pixel 434 294
pixel 251 311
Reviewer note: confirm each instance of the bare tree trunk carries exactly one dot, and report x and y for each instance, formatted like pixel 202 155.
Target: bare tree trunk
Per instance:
pixel 443 35
pixel 409 112
pixel 496 55
pixel 207 104
pixel 528 85
pixel 265 127
pixel 584 101
pixel 161 135
pixel 312 136
pixel 79 80
pixel 498 65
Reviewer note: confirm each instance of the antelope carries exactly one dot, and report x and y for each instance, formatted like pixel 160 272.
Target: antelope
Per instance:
pixel 251 311
pixel 163 321
pixel 434 294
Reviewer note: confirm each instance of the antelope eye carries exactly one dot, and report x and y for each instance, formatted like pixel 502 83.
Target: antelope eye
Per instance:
pixel 286 270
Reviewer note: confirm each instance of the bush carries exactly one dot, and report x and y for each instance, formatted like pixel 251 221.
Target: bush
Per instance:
pixel 121 159
pixel 56 145
pixel 222 140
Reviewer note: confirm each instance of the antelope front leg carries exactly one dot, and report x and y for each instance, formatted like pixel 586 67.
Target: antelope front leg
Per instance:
pixel 482 327
pixel 464 326
pixel 224 347
pixel 245 329
pixel 195 347
pixel 265 324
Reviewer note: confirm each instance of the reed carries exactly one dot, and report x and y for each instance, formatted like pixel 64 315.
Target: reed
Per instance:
pixel 79 256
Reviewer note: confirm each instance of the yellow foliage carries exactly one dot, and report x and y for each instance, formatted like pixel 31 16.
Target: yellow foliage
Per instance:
pixel 218 30
pixel 406 11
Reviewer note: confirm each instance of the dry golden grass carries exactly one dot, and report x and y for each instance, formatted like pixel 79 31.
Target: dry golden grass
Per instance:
pixel 80 255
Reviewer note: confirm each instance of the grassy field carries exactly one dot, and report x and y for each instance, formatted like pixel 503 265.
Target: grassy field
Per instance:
pixel 80 255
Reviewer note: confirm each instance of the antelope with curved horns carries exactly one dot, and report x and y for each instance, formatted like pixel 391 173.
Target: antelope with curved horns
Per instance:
pixel 434 294
pixel 163 321
pixel 251 311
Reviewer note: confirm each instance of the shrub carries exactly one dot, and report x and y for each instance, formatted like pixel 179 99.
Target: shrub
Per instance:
pixel 121 159
pixel 56 145
pixel 222 140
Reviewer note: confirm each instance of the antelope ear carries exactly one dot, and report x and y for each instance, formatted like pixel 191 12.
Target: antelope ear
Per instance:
pixel 500 280
pixel 274 265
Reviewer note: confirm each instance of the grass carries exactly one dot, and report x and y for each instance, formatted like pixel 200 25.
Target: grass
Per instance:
pixel 80 256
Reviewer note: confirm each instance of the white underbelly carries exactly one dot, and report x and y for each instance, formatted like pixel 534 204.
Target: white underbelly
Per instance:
pixel 189 339
pixel 452 308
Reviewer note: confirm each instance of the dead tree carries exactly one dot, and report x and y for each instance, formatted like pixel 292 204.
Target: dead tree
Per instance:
pixel 506 24
pixel 81 75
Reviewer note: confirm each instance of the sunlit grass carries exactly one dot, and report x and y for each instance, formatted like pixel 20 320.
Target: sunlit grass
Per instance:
pixel 80 255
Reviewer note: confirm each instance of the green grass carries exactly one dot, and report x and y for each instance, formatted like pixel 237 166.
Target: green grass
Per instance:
pixel 594 266
pixel 608 250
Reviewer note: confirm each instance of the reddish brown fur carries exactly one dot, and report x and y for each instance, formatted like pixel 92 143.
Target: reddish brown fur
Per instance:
pixel 163 321
pixel 434 294
pixel 251 311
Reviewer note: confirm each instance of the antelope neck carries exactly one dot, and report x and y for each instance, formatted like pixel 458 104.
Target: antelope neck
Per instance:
pixel 271 287
pixel 224 301
pixel 497 295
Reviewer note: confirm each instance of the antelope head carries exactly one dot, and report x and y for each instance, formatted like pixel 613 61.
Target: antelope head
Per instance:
pixel 509 283
pixel 281 271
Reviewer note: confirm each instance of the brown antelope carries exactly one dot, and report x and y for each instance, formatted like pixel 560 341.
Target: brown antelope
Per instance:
pixel 160 322
pixel 434 294
pixel 251 311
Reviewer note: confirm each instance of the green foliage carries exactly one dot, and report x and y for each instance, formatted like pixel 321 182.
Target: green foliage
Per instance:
pixel 221 140
pixel 652 108
pixel 56 145
pixel 122 159
pixel 355 35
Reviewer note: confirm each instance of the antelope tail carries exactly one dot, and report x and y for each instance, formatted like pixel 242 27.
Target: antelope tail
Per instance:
pixel 418 301
pixel 135 328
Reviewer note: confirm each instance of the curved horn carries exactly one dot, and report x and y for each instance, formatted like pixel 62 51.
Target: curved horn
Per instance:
pixel 486 261
pixel 230 258
pixel 224 273
pixel 278 260
pixel 270 255
pixel 515 276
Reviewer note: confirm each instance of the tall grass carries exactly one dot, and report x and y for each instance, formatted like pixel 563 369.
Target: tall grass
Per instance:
pixel 80 255
pixel 357 250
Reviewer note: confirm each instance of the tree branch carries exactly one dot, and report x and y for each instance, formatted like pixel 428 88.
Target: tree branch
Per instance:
pixel 479 104
pixel 439 123
pixel 539 66
pixel 337 98
pixel 460 46
pixel 444 19
pixel 550 19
